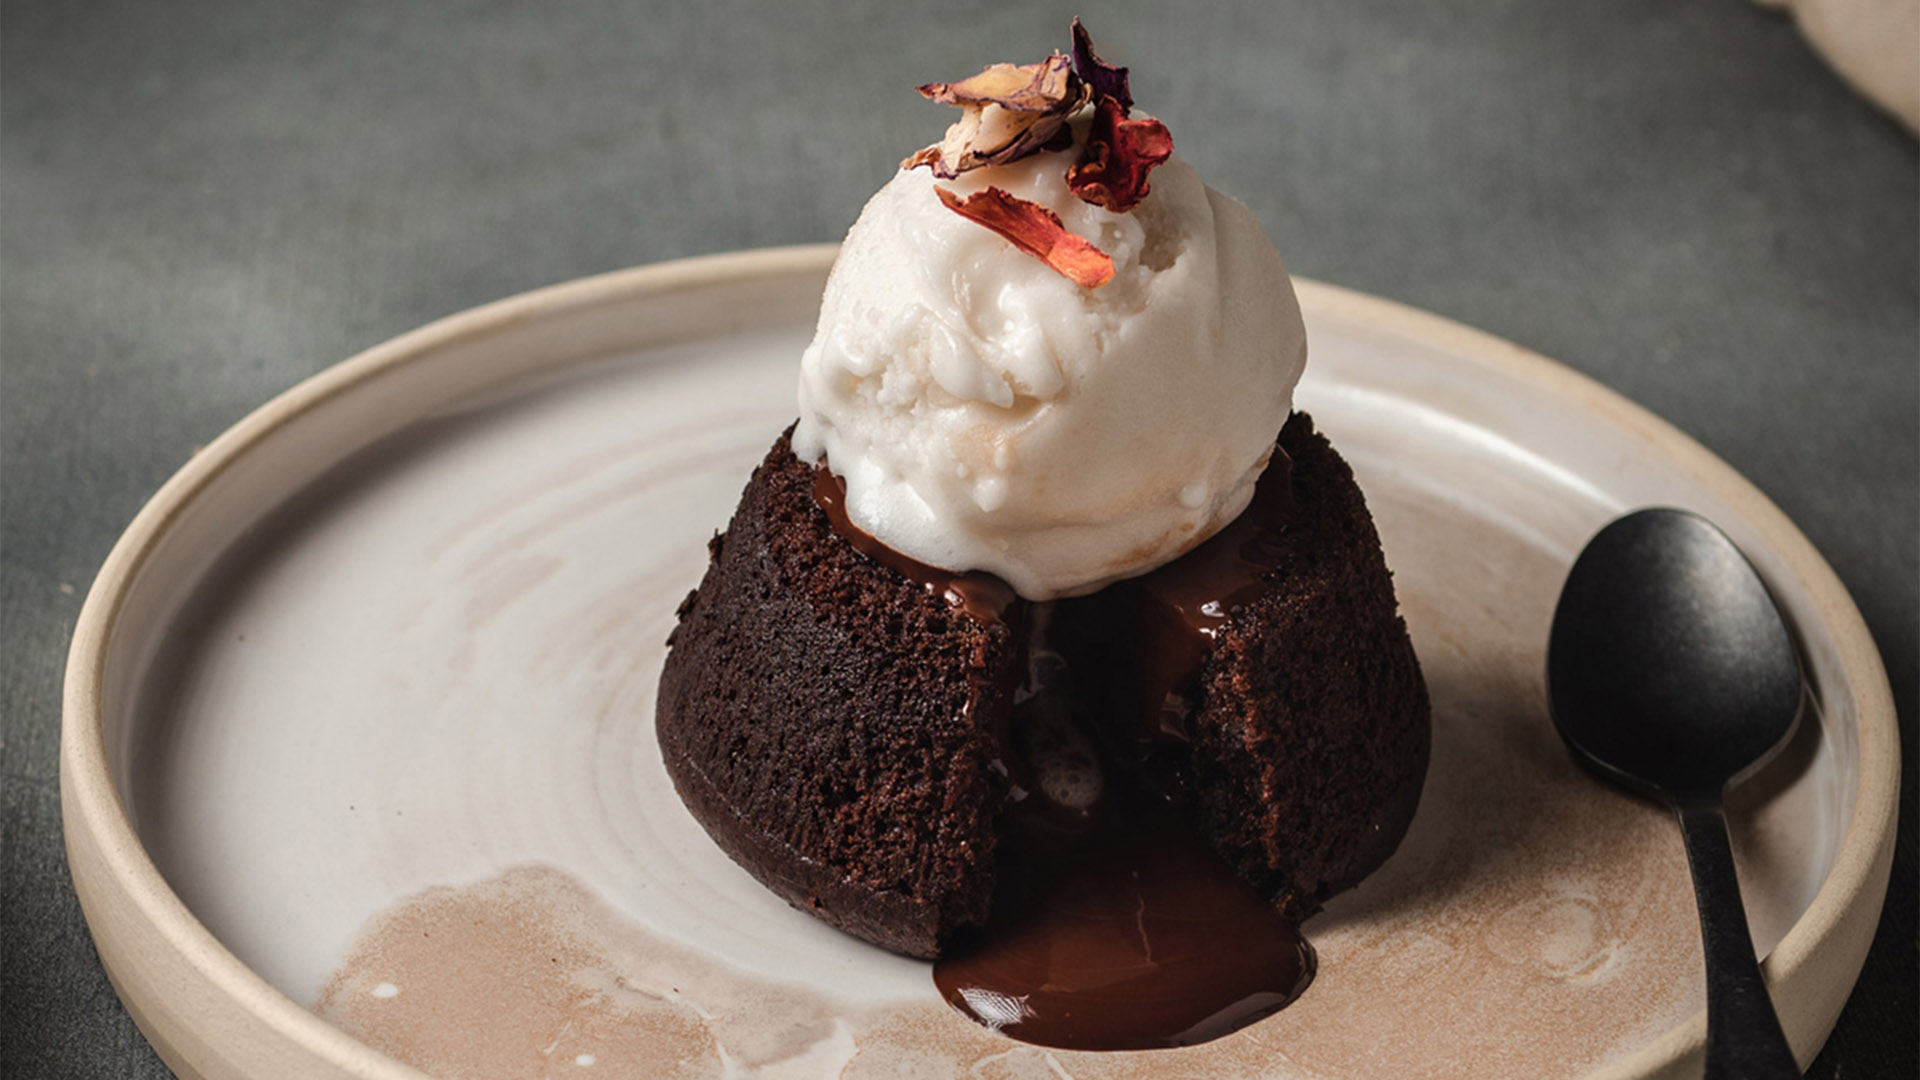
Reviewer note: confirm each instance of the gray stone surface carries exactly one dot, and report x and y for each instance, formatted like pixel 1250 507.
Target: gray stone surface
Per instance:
pixel 204 202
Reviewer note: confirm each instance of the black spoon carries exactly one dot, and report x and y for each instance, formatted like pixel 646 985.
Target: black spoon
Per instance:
pixel 1670 672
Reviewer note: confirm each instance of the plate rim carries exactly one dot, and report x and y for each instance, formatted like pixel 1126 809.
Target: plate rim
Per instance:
pixel 117 880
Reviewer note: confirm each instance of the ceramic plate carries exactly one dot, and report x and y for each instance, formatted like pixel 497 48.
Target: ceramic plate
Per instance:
pixel 359 767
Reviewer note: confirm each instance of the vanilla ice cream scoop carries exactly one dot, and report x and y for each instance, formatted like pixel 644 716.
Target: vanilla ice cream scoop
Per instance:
pixel 987 413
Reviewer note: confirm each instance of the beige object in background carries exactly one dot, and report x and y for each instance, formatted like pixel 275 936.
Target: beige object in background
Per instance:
pixel 442 671
pixel 1873 44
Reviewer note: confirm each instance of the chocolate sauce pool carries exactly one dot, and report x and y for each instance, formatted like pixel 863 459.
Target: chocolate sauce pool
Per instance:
pixel 1115 926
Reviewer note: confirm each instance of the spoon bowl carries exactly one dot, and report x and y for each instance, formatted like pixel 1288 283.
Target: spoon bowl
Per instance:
pixel 1669 665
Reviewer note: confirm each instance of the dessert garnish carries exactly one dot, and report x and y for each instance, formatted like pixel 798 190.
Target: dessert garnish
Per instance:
pixel 1106 80
pixel 1120 152
pixel 1036 230
pixel 1011 111
pixel 1007 112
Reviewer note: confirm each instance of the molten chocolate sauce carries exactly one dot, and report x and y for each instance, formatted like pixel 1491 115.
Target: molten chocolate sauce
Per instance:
pixel 1172 615
pixel 979 596
pixel 1115 926
pixel 1131 939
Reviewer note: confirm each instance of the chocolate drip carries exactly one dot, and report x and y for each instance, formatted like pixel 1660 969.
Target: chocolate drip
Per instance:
pixel 1179 609
pixel 979 596
pixel 1115 925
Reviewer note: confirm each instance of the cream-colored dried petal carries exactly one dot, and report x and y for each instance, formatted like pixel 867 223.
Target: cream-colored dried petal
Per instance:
pixel 1033 88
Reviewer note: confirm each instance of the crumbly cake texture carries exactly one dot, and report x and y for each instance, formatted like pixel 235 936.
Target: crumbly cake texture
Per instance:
pixel 1313 732
pixel 834 726
pixel 830 723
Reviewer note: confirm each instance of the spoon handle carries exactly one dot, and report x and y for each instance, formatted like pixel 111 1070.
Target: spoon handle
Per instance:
pixel 1744 1040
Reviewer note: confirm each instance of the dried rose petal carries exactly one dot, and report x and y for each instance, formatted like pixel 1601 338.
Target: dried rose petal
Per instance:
pixel 1035 230
pixel 1106 80
pixel 1112 170
pixel 990 135
pixel 1007 112
pixel 1036 88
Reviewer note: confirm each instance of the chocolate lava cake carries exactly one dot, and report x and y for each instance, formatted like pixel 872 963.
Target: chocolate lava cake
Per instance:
pixel 857 730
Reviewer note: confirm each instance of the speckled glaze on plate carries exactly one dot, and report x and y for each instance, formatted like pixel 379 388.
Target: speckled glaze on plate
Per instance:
pixel 359 776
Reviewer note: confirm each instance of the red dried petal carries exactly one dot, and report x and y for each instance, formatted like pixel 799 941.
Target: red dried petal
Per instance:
pixel 1112 170
pixel 1035 230
pixel 1107 80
